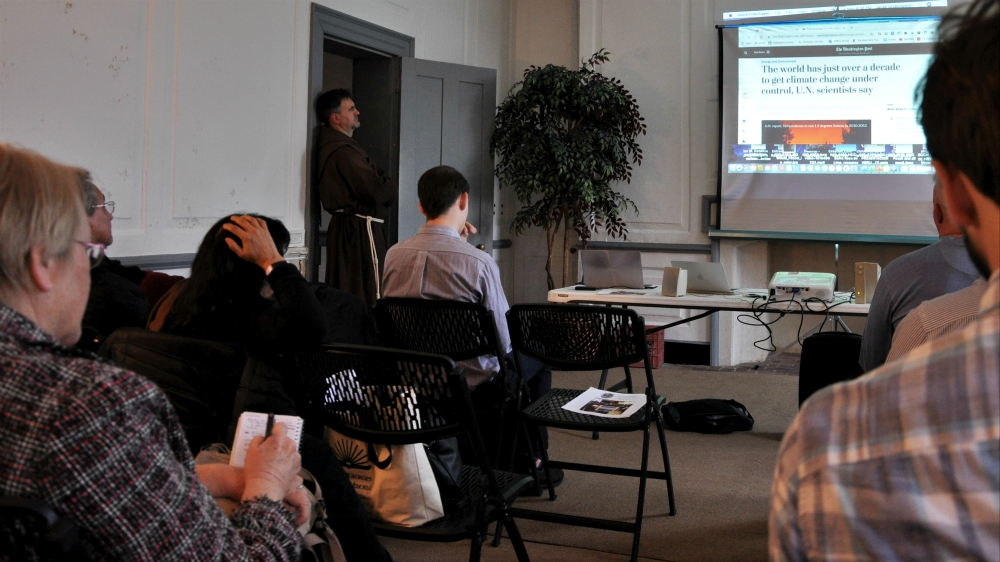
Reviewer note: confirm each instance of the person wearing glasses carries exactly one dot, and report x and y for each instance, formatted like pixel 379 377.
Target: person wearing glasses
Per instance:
pixel 120 295
pixel 100 444
pixel 116 299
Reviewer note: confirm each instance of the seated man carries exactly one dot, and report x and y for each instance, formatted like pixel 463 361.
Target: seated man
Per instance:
pixel 115 300
pixel 941 268
pixel 120 295
pixel 439 264
pixel 99 444
pixel 904 462
pixel 935 318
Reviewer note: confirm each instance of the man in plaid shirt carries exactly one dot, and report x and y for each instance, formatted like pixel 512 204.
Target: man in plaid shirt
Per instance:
pixel 904 463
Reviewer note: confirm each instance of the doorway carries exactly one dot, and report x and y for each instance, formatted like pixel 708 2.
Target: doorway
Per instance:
pixel 364 58
pixel 415 114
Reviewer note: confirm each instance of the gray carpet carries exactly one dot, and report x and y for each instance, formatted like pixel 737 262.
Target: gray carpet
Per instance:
pixel 721 482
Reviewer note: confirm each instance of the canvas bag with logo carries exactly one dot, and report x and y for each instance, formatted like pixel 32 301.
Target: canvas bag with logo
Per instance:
pixel 395 483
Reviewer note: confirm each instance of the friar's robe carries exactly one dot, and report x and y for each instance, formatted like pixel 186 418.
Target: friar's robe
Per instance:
pixel 351 184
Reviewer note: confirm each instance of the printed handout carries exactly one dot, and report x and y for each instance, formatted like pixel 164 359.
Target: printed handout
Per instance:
pixel 605 404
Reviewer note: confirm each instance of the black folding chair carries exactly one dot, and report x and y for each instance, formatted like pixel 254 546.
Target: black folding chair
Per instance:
pixel 460 330
pixel 30 530
pixel 589 338
pixel 381 414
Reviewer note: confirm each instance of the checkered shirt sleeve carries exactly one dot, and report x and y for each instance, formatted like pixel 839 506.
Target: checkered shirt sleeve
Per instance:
pixel 103 447
pixel 901 464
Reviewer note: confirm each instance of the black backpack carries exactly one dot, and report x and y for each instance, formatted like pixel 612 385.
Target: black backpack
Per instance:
pixel 709 415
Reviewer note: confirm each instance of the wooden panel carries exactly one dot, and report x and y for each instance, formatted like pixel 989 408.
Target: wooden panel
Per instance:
pixel 446 117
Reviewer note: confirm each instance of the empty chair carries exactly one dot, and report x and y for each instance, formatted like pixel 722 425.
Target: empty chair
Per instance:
pixel 356 391
pixel 589 338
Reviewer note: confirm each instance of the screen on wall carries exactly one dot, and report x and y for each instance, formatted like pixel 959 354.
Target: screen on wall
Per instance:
pixel 819 128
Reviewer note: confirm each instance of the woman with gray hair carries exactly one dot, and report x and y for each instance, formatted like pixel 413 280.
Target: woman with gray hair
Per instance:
pixel 100 444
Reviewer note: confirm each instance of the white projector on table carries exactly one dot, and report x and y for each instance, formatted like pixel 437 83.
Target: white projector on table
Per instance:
pixel 801 285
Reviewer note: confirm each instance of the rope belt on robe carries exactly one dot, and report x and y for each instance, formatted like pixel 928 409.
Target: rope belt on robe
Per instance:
pixel 371 244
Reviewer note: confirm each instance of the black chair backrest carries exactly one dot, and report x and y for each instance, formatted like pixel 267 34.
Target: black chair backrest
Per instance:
pixel 199 377
pixel 578 337
pixel 31 530
pixel 828 358
pixel 385 396
pixel 460 330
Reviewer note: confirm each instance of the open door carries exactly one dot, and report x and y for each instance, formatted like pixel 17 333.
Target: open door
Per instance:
pixel 415 115
pixel 446 117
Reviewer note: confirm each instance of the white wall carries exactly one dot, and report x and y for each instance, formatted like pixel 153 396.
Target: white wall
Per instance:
pixel 186 110
pixel 665 55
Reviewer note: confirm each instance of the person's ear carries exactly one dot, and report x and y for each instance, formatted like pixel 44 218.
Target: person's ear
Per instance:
pixel 421 207
pixel 955 187
pixel 41 270
pixel 463 201
pixel 938 214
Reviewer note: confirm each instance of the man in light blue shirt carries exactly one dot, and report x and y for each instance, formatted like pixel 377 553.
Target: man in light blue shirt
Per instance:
pixel 439 264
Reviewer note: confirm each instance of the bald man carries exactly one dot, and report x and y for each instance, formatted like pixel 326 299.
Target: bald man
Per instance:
pixel 941 268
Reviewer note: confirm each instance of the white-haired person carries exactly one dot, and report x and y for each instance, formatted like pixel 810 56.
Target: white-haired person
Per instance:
pixel 99 444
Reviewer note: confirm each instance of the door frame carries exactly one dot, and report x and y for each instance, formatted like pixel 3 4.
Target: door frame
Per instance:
pixel 340 27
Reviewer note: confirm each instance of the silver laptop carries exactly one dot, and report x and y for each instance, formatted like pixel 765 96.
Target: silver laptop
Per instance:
pixel 705 277
pixel 604 269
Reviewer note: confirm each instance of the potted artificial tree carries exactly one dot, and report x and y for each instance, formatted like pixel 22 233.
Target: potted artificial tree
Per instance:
pixel 563 137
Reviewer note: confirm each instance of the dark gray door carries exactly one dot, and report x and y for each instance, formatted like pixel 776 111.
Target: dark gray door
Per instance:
pixel 446 117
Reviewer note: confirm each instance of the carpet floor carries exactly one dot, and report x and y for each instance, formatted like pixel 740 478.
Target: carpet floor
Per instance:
pixel 721 482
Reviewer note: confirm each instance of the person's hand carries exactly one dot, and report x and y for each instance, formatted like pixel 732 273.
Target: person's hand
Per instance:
pixel 467 230
pixel 272 466
pixel 258 247
pixel 297 500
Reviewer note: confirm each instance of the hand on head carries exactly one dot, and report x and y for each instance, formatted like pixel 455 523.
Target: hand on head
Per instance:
pixel 272 471
pixel 258 247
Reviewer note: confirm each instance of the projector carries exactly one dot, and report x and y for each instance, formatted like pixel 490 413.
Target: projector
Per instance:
pixel 801 285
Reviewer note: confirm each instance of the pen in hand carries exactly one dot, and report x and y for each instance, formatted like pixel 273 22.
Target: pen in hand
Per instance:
pixel 270 425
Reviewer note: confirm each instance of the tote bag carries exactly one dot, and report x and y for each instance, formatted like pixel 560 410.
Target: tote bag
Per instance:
pixel 395 483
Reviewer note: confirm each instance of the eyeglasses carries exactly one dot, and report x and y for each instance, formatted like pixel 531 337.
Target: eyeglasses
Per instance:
pixel 95 252
pixel 109 206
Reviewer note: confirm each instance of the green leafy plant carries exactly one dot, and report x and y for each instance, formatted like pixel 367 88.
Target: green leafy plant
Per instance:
pixel 563 137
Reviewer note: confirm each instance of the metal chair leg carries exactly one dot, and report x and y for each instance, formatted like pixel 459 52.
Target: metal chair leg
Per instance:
pixel 637 532
pixel 515 536
pixel 666 461
pixel 545 467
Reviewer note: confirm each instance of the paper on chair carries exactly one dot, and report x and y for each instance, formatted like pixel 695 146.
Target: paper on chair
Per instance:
pixel 605 404
pixel 251 425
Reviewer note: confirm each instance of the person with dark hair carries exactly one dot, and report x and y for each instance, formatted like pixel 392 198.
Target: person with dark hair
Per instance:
pixel 99 444
pixel 358 195
pixel 904 462
pixel 242 292
pixel 228 298
pixel 438 264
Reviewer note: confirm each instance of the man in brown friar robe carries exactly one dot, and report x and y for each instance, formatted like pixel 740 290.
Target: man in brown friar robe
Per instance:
pixel 358 195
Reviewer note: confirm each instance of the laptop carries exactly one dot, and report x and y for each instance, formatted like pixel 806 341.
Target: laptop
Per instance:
pixel 705 277
pixel 604 269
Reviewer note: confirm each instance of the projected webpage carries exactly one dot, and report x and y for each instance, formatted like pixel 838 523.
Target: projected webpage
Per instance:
pixel 819 128
pixel 831 98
